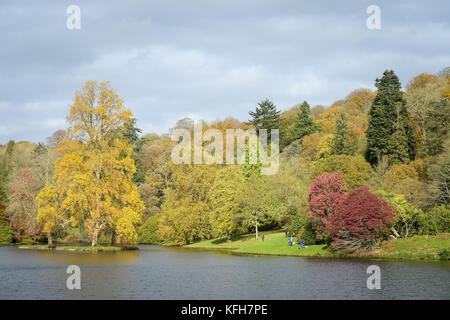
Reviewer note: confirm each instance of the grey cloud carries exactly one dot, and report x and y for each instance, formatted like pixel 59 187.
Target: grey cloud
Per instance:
pixel 205 59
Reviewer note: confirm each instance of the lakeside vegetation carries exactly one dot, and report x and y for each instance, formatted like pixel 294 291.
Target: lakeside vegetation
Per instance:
pixel 78 248
pixel 276 243
pixel 369 172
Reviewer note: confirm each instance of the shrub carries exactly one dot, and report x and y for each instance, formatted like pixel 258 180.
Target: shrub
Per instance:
pixel 435 221
pixel 359 221
pixel 444 254
pixel 308 235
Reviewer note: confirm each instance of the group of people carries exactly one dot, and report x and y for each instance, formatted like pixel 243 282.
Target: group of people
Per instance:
pixel 291 242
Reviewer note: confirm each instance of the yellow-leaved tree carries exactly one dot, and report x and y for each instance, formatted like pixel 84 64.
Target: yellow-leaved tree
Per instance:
pixel 94 169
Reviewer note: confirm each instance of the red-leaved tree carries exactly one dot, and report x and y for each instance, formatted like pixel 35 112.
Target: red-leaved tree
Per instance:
pixel 359 221
pixel 326 191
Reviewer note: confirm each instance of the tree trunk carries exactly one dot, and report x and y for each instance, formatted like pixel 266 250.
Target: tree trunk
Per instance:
pixel 256 228
pixel 395 233
pixel 113 238
pixel 95 237
pixel 49 239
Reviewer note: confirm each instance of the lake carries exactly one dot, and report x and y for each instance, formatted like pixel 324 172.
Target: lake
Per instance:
pixel 176 273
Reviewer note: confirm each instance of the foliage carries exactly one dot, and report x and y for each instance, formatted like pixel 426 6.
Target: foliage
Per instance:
pixel 388 119
pixel 226 216
pixel 308 235
pixel 354 169
pixel 404 179
pixel 265 116
pixel 94 169
pixel 22 203
pixel 185 207
pixel 296 225
pixel 407 221
pixel 344 141
pixel 304 123
pixel 148 232
pixel 325 193
pixel 325 147
pixel 359 221
pixel 436 220
pixel 6 234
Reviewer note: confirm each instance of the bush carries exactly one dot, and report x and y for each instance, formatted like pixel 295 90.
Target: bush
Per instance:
pixel 308 234
pixel 435 221
pixel 407 216
pixel 359 221
pixel 444 254
pixel 148 232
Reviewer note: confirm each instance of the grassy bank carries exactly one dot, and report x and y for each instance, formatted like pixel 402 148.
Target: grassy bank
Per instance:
pixel 275 243
pixel 79 248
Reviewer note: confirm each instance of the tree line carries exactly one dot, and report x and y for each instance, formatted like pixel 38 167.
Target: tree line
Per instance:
pixel 379 157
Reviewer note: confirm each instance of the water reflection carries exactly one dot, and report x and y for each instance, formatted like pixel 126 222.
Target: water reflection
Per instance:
pixel 174 273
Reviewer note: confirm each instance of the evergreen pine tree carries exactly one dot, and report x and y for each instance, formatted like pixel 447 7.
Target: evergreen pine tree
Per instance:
pixel 387 116
pixel 266 116
pixel 342 140
pixel 397 148
pixel 304 123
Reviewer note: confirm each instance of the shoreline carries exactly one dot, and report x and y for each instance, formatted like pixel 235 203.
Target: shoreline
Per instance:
pixel 78 248
pixel 428 248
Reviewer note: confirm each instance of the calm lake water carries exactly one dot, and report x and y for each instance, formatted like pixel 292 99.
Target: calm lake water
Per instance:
pixel 173 273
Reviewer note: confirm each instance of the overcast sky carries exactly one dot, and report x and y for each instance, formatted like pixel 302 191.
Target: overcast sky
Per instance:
pixel 205 59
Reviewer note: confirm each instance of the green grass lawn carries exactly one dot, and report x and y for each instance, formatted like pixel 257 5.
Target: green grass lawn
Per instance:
pixel 417 248
pixel 275 243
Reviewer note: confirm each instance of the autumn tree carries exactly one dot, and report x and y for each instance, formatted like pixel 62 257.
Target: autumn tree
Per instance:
pixel 359 221
pixel 226 216
pixel 186 207
pixel 57 136
pixel 49 212
pixel 325 193
pixel 94 170
pixel 355 171
pixel 22 203
pixel 152 157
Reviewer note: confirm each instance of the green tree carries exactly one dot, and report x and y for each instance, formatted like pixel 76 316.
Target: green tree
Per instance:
pixel 266 116
pixel 304 123
pixel 343 140
pixel 437 124
pixel 148 232
pixel 226 216
pixel 388 108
